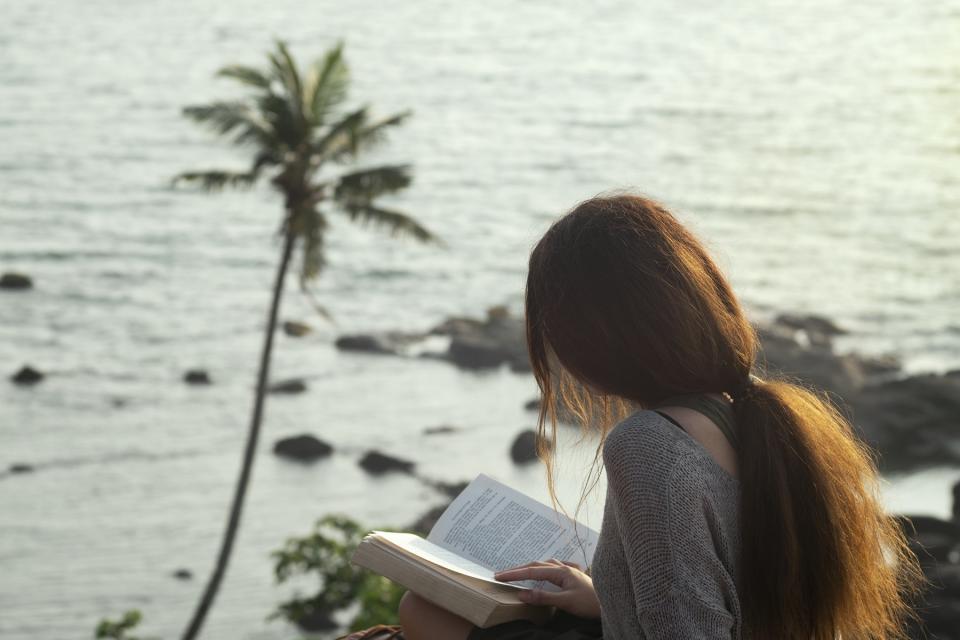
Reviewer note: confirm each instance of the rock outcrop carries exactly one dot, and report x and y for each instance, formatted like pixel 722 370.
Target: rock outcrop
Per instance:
pixel 378 463
pixel 197 377
pixel 27 376
pixel 15 281
pixel 294 385
pixel 303 448
pixel 524 447
pixel 387 343
pixel 912 421
pixel 937 545
pixel 485 344
pixel 296 329
pixel 438 430
pixel 471 343
pixel 21 467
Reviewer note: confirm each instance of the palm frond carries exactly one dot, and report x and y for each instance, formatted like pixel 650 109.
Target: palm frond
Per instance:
pixel 215 180
pixel 285 69
pixel 393 222
pixel 246 75
pixel 365 137
pixel 283 122
pixel 341 135
pixel 263 160
pixel 327 84
pixel 232 117
pixel 362 187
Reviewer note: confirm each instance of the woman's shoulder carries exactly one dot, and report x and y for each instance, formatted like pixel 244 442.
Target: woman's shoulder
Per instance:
pixel 648 434
pixel 648 443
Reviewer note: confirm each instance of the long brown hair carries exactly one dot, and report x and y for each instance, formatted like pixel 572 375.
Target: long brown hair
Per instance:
pixel 624 308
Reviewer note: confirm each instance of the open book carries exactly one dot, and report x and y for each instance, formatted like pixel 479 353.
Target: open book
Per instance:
pixel 487 528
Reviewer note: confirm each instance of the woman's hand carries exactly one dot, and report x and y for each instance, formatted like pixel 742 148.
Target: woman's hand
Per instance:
pixel 576 594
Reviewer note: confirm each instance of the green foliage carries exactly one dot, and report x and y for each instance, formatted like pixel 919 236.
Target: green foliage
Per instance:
pixel 118 630
pixel 379 599
pixel 325 552
pixel 296 123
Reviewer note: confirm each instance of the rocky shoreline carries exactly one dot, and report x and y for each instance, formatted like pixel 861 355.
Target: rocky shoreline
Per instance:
pixel 911 421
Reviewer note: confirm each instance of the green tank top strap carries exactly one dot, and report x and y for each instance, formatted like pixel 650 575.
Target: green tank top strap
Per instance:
pixel 719 411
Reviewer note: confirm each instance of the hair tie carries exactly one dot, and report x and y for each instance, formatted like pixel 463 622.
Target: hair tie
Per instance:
pixel 745 389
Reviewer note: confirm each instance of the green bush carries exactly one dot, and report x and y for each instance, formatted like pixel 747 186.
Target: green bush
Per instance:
pixel 326 553
pixel 117 630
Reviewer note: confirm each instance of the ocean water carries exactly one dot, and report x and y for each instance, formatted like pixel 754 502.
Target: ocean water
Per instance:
pixel 815 146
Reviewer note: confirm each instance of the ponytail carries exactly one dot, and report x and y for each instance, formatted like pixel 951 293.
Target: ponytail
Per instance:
pixel 820 558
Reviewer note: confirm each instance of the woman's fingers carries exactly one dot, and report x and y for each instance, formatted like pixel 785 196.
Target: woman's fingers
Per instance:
pixel 535 563
pixel 539 596
pixel 543 563
pixel 548 572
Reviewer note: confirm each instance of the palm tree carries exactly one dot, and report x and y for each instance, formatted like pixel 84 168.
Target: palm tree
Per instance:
pixel 299 132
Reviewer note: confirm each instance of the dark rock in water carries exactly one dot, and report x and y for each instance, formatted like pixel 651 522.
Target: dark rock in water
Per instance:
pixel 183 574
pixel 956 503
pixel 294 385
pixel 425 522
pixel 474 344
pixel 197 377
pixel 875 367
pixel 931 539
pixel 812 364
pixel 939 606
pixel 935 542
pixel 498 312
pixel 21 467
pixel 439 430
pixel 27 375
pixel 524 447
pixel 296 329
pixel 800 348
pixel 941 619
pixel 317 620
pixel 305 448
pixel 475 352
pixel 817 329
pixel 484 344
pixel 378 463
pixel 451 489
pixel 946 578
pixel 387 343
pixel 15 281
pixel 911 422
pixel 564 415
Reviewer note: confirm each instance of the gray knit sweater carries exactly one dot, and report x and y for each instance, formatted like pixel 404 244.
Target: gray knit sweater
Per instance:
pixel 665 564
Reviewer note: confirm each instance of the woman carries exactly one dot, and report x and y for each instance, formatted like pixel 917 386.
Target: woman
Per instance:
pixel 735 507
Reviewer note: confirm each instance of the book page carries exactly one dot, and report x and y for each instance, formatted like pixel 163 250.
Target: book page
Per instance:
pixel 497 527
pixel 415 545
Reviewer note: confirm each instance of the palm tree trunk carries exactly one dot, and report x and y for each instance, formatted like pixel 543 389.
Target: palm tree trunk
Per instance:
pixel 210 593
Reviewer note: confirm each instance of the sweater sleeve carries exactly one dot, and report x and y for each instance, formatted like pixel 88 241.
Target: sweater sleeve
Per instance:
pixel 668 534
